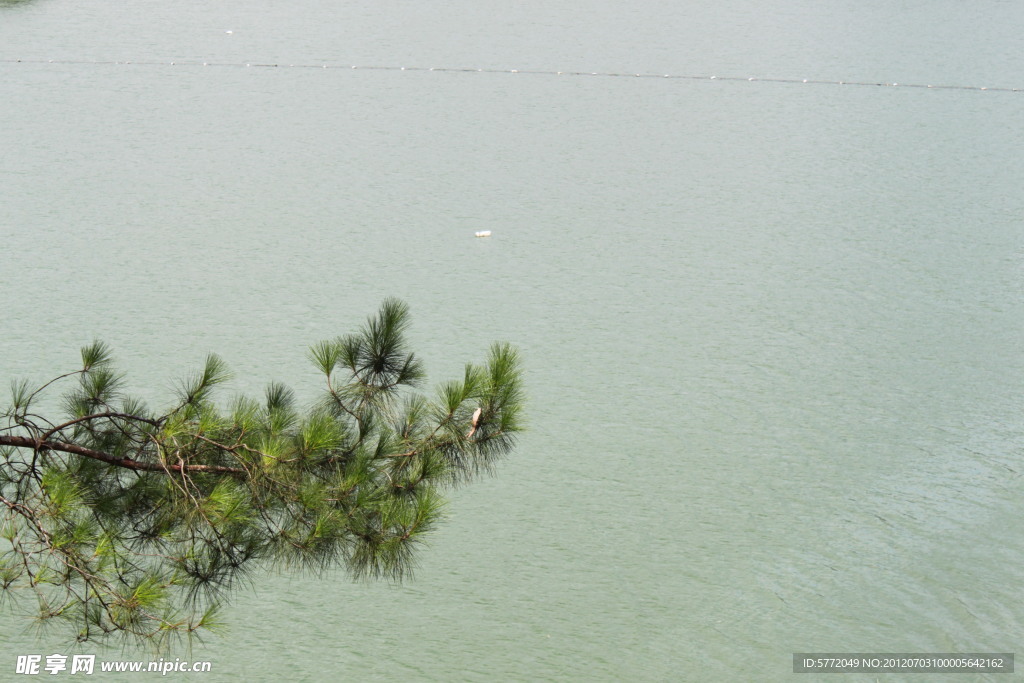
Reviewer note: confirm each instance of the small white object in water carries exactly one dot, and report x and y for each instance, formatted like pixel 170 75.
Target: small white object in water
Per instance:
pixel 483 233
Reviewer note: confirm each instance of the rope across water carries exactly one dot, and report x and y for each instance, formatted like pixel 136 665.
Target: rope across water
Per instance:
pixel 533 72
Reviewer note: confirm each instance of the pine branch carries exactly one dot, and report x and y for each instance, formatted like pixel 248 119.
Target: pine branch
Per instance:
pixel 126 463
pixel 149 520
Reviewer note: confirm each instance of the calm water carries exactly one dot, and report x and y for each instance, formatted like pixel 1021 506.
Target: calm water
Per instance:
pixel 772 332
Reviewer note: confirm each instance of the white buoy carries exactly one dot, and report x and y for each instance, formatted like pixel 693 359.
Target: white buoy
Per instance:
pixel 483 233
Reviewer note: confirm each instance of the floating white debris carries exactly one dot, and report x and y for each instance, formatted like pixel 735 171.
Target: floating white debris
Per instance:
pixel 483 233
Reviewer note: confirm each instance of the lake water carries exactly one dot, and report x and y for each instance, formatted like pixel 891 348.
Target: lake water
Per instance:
pixel 772 331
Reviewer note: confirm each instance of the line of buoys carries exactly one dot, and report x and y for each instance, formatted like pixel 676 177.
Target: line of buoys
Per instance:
pixel 607 74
